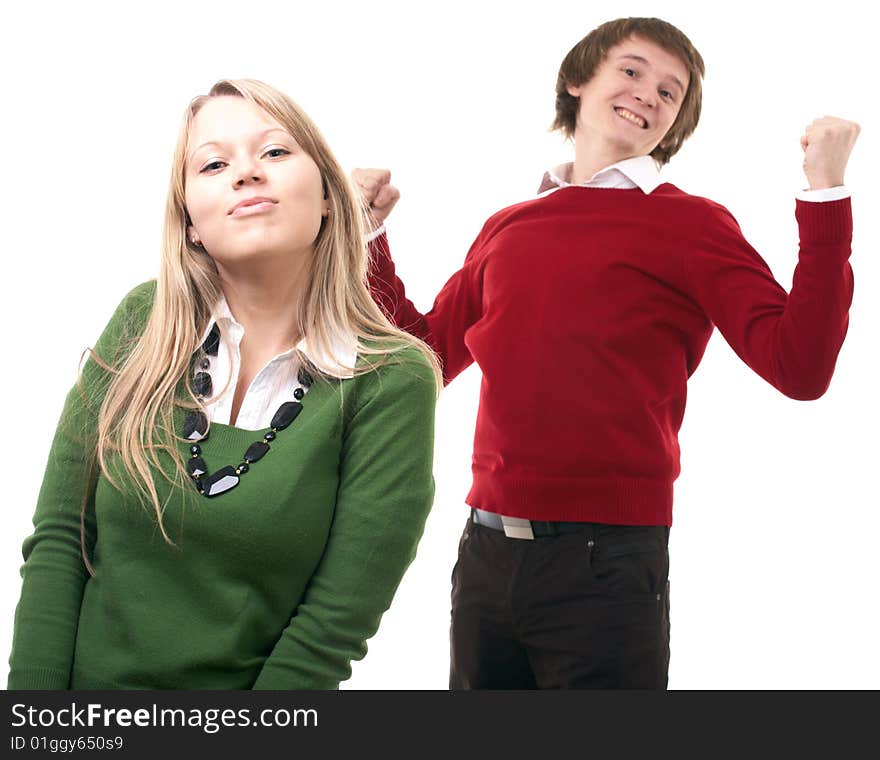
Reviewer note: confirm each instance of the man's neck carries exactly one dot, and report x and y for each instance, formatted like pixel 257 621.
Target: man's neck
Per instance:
pixel 590 158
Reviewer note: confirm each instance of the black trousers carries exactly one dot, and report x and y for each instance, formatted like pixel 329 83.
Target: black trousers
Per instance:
pixel 574 611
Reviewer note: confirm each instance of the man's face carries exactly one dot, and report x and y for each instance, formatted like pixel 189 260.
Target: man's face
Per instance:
pixel 631 101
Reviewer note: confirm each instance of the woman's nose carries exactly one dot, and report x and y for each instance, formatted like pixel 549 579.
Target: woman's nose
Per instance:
pixel 248 172
pixel 248 179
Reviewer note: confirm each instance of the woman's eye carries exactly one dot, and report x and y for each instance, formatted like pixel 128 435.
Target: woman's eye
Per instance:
pixel 276 152
pixel 629 72
pixel 666 94
pixel 213 166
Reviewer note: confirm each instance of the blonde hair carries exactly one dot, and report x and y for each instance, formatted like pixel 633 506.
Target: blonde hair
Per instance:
pixel 135 421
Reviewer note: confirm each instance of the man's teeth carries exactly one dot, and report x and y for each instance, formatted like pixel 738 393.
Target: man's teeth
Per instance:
pixel 631 117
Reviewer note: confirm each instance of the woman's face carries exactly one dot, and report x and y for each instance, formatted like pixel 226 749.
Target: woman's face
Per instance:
pixel 251 191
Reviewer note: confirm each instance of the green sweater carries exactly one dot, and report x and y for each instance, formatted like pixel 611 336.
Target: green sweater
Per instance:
pixel 276 584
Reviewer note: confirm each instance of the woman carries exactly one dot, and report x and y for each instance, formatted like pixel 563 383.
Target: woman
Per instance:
pixel 243 473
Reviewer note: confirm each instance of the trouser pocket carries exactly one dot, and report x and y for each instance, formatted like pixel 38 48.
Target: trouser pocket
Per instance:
pixel 631 562
pixel 465 535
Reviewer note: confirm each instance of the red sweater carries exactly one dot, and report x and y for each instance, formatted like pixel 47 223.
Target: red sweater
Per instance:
pixel 588 309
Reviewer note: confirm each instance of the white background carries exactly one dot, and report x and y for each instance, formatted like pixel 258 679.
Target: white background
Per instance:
pixel 774 573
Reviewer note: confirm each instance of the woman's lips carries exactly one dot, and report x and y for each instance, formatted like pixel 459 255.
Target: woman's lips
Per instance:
pixel 251 208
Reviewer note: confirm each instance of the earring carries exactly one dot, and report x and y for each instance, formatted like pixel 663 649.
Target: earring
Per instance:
pixel 194 239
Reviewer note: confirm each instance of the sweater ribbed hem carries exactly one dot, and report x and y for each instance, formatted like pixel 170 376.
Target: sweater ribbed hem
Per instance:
pixel 615 502
pixel 37 679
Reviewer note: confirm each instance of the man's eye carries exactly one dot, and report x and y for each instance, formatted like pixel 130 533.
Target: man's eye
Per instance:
pixel 277 152
pixel 213 166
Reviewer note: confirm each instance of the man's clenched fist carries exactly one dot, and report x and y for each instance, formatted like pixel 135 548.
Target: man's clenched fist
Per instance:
pixel 827 143
pixel 377 192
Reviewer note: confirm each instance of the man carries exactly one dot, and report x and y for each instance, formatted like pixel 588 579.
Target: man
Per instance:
pixel 587 309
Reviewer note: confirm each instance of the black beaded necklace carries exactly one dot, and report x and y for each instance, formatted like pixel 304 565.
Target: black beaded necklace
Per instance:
pixel 195 427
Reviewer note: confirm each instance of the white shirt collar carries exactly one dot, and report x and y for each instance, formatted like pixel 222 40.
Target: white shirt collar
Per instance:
pixel 339 362
pixel 641 171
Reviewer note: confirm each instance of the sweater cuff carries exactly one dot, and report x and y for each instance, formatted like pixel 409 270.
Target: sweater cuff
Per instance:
pixel 829 222
pixel 380 253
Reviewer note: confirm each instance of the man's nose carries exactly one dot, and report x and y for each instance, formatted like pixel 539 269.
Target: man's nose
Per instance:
pixel 645 96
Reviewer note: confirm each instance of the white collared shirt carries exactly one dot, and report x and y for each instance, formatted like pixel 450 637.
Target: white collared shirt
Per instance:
pixel 275 382
pixel 640 172
pixel 643 172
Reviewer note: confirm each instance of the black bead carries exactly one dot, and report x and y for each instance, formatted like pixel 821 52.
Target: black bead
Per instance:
pixel 242 468
pixel 256 451
pixel 195 449
pixel 270 436
pixel 212 342
pixel 202 384
pixel 225 479
pixel 286 414
pixel 205 363
pixel 195 428
pixel 196 466
pixel 298 394
pixel 304 377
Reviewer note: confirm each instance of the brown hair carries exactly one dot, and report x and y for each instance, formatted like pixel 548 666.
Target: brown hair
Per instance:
pixel 582 60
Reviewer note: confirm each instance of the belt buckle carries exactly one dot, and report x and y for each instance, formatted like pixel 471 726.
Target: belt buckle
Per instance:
pixel 517 527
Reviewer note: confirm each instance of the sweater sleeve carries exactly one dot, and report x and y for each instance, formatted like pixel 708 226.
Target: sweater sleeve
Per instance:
pixel 385 492
pixel 54 574
pixel 790 339
pixel 457 307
